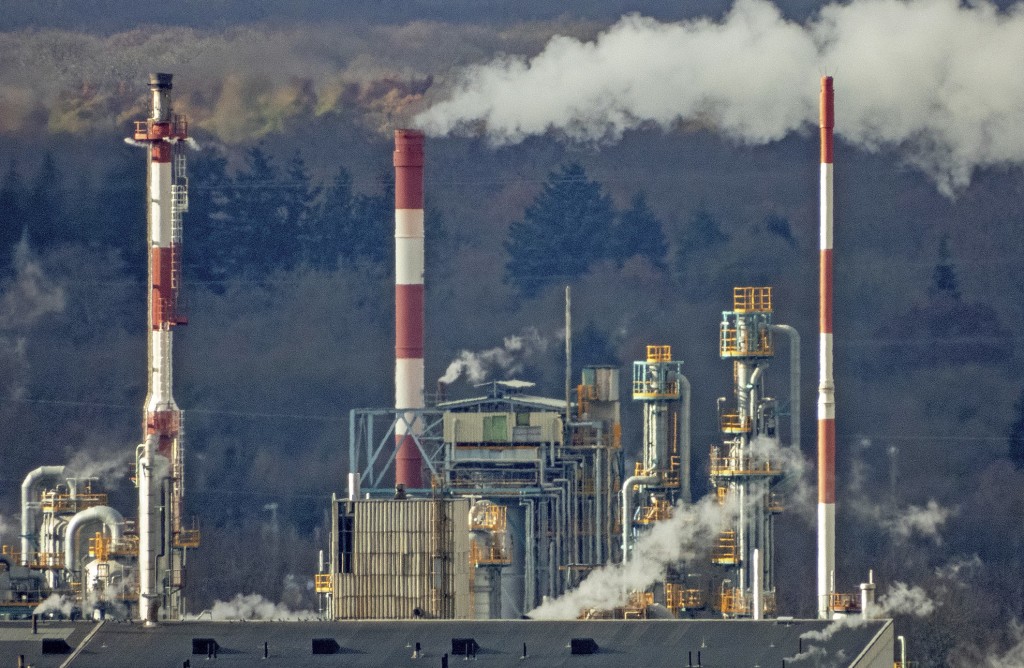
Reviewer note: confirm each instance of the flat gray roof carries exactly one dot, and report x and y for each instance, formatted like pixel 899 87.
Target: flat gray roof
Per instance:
pixel 655 643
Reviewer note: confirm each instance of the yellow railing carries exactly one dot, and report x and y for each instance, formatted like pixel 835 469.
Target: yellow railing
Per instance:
pixel 844 602
pixel 725 549
pixel 751 343
pixel 679 597
pixel 323 583
pixel 734 423
pixel 488 556
pixel 643 389
pixel 747 300
pixel 659 354
pixel 491 517
pixel 661 509
pixel 65 503
pixel 734 602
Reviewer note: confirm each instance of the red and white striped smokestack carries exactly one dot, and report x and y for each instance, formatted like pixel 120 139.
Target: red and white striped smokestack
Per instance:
pixel 160 453
pixel 826 386
pixel 409 311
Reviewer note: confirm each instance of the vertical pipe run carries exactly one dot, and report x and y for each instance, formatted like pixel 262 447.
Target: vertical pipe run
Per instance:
pixel 409 309
pixel 826 387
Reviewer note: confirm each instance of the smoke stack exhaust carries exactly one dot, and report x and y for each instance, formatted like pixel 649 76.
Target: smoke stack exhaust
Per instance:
pixel 826 386
pixel 409 313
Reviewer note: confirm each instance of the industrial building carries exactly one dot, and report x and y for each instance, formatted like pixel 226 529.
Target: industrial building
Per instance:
pixel 461 512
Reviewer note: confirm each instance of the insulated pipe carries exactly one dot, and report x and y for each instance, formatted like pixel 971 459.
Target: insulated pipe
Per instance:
pixel 30 512
pixel 826 386
pixel 794 381
pixel 627 514
pixel 110 518
pixel 756 603
pixel 148 476
pixel 684 438
pixel 409 309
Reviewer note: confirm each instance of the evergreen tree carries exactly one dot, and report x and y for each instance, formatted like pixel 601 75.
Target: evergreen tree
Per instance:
pixel 209 227
pixel 296 211
pixel 118 216
pixel 944 278
pixel 1015 436
pixel 44 209
pixel 12 223
pixel 639 233
pixel 565 229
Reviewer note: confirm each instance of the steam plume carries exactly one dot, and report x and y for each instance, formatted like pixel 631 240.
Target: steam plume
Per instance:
pixel 54 603
pixel 109 468
pixel 690 530
pixel 253 607
pixel 942 87
pixel 507 358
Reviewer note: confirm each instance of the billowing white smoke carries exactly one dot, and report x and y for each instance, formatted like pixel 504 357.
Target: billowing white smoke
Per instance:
pixel 690 531
pixel 253 607
pixel 53 604
pixel 796 487
pixel 507 358
pixel 943 86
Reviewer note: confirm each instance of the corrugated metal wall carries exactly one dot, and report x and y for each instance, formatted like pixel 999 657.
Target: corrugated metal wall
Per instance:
pixel 540 427
pixel 407 555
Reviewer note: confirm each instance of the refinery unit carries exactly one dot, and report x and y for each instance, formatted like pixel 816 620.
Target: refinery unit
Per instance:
pixel 135 567
pixel 479 508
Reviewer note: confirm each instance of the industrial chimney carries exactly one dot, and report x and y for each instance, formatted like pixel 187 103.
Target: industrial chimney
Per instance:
pixel 826 386
pixel 409 384
pixel 160 457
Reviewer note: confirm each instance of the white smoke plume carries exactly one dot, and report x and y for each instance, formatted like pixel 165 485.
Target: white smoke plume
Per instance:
pixel 253 607
pixel 7 527
pixel 796 486
pixel 943 86
pixel 691 530
pixel 53 604
pixel 508 359
pixel 109 468
pixel 902 599
pixel 31 294
pixel 959 568
pixel 915 520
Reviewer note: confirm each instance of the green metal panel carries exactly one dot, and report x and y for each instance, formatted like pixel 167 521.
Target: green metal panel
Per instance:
pixel 496 428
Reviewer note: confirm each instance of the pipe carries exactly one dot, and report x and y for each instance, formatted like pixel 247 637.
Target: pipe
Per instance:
pixel 409 308
pixel 794 381
pixel 110 518
pixel 627 515
pixel 29 513
pixel 684 440
pixel 826 386
pixel 867 596
pixel 148 477
pixel 755 564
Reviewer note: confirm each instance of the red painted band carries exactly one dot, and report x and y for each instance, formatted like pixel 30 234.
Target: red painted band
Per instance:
pixel 827 119
pixel 409 321
pixel 161 152
pixel 165 423
pixel 826 461
pixel 408 463
pixel 408 161
pixel 825 274
pixel 161 272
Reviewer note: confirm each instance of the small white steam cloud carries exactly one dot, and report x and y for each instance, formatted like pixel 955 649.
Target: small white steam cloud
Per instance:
pixel 31 294
pixel 55 603
pixel 902 599
pixel 960 567
pixel 691 530
pixel 253 607
pixel 7 527
pixel 109 468
pixel 943 87
pixel 915 520
pixel 508 358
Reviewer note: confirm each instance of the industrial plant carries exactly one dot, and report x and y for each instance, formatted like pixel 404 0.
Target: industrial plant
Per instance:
pixel 459 512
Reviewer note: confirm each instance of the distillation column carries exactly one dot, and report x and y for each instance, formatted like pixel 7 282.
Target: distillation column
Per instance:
pixel 159 458
pixel 746 465
pixel 409 309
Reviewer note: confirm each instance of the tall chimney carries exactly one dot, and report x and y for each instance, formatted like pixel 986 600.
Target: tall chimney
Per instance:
pixel 826 386
pixel 408 304
pixel 160 458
